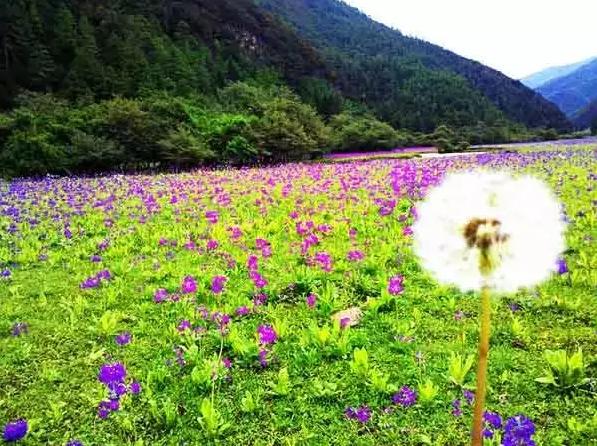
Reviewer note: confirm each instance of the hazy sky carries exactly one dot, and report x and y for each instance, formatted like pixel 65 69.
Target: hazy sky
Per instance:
pixel 517 37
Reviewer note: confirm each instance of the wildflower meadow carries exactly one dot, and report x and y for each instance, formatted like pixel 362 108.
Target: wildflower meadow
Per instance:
pixel 285 305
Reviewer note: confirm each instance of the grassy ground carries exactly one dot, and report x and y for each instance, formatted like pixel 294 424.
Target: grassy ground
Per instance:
pixel 152 231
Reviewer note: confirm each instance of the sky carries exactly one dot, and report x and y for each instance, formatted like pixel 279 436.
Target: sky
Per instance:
pixel 516 37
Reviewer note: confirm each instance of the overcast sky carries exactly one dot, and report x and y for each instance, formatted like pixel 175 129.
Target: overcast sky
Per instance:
pixel 517 37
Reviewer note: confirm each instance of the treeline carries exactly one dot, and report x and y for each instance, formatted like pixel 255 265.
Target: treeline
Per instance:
pixel 260 121
pixel 93 86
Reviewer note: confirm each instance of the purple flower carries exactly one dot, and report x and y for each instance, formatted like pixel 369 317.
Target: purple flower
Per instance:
pixel 518 431
pixel 263 357
pixel 405 397
pixel 184 325
pixel 95 259
pixel 123 338
pixel 212 216
pixel 212 245
pixel 362 414
pixel 189 285
pixel 562 266
pixel 253 263
pixel 90 282
pixel 74 443
pixel 456 408
pixel 217 284
pixel 135 388
pixel 227 363
pixel 104 275
pixel 469 396
pixel 19 328
pixel 267 334
pixel 324 260
pixel 493 419
pixel 395 285
pixel 103 410
pixel 15 430
pixel 514 307
pixel 160 295
pixel 112 373
pixel 258 280
pixel 344 322
pixel 407 231
pixel 355 256
pixel 242 311
pixel 311 300
pixel 5 273
pixel 259 299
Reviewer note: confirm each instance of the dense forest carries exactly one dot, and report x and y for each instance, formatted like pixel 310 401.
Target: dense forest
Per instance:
pixel 88 86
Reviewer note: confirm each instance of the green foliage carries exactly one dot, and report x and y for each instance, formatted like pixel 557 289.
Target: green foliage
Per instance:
pixel 360 362
pixel 210 420
pixel 352 132
pixel 565 371
pixel 427 391
pixel 282 386
pixel 459 368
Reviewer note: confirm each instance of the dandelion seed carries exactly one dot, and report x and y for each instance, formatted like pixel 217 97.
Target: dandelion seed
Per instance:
pixel 516 220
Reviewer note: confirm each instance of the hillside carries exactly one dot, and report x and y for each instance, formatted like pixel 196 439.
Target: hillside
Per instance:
pixel 586 117
pixel 574 91
pixel 540 78
pixel 112 48
pixel 381 64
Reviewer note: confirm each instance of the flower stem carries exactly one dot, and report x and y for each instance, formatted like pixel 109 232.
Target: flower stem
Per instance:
pixel 482 368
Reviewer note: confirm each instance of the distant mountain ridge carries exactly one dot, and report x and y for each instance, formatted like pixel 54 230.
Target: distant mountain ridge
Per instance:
pixel 542 77
pixel 575 91
pixel 399 76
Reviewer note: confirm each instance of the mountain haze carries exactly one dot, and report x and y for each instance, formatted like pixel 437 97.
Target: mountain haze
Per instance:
pixel 540 78
pixel 574 91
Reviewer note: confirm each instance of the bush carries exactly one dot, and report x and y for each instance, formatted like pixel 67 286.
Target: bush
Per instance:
pixel 352 133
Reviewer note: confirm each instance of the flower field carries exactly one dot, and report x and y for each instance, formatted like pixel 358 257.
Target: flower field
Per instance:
pixel 282 306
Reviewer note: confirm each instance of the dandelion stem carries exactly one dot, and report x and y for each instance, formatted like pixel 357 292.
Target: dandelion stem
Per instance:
pixel 482 368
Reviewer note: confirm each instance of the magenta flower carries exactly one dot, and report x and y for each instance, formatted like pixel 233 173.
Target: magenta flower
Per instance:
pixel 355 256
pixel 217 284
pixel 212 245
pixel 311 300
pixel 184 325
pixel 242 311
pixel 267 334
pixel 253 263
pixel 227 363
pixel 395 285
pixel 160 295
pixel 212 216
pixel 258 280
pixel 189 285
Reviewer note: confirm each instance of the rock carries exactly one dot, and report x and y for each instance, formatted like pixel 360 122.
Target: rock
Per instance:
pixel 349 317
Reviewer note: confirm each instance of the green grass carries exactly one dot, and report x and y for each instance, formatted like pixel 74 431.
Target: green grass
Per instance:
pixel 49 376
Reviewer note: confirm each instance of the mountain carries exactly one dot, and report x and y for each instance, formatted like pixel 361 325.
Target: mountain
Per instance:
pixel 536 80
pixel 586 117
pixel 98 50
pixel 402 76
pixel 574 91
